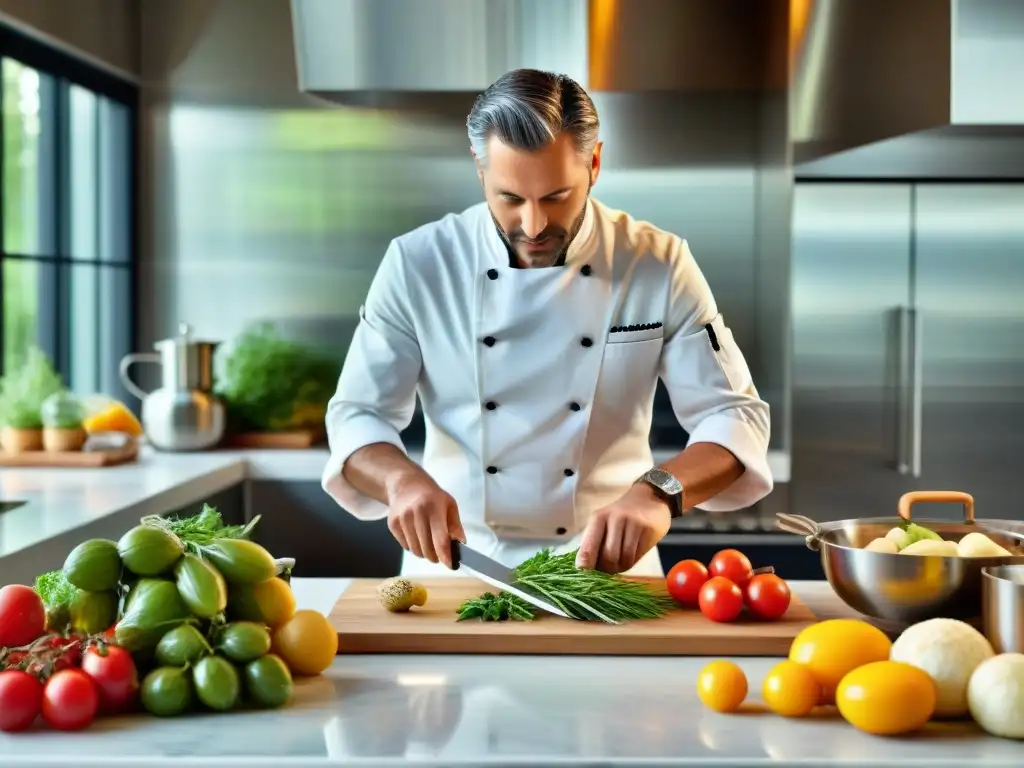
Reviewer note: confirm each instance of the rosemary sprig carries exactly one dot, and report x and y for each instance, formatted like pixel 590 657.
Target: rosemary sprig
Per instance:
pixel 585 594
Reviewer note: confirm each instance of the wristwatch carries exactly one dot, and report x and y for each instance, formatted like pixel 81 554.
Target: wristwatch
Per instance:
pixel 667 487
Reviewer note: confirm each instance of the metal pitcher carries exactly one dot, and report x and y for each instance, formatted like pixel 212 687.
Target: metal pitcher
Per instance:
pixel 183 414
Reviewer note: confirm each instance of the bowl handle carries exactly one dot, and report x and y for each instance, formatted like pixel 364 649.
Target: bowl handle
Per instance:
pixel 801 526
pixel 907 500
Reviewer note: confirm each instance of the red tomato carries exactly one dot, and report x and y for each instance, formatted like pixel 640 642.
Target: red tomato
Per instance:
pixel 767 596
pixel 720 599
pixel 113 671
pixel 21 698
pixel 22 616
pixel 70 700
pixel 685 580
pixel 733 565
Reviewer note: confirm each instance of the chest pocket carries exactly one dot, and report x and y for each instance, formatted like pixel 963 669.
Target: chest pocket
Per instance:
pixel 629 372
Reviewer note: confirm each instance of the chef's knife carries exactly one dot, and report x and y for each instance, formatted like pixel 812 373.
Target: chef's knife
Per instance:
pixel 498 575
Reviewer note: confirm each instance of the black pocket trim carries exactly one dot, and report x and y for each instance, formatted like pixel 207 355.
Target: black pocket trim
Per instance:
pixel 713 337
pixel 628 328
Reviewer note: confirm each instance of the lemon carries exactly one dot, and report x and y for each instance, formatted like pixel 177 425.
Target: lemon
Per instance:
pixel 832 648
pixel 887 698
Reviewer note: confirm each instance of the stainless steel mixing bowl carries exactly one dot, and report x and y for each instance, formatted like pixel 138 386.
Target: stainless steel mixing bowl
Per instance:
pixel 1002 607
pixel 907 588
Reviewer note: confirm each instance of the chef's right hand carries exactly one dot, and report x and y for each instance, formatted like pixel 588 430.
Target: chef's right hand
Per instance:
pixel 424 519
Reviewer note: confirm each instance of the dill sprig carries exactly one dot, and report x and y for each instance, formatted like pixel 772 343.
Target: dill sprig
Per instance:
pixel 582 593
pixel 203 529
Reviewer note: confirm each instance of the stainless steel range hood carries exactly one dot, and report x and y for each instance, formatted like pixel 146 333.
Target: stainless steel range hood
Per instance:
pixel 870 70
pixel 355 51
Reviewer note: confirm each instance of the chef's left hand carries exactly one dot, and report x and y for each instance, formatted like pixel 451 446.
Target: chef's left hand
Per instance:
pixel 619 534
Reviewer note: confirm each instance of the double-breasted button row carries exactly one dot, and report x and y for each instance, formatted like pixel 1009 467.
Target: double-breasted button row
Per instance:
pixel 492 470
pixel 490 405
pixel 585 270
pixel 586 341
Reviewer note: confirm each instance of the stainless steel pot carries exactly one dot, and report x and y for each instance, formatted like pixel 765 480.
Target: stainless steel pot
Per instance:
pixel 183 414
pixel 1002 607
pixel 907 588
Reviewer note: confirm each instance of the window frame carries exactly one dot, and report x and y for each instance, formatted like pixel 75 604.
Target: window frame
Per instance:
pixel 68 70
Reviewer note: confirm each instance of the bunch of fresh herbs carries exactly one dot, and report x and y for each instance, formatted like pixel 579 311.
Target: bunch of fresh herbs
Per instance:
pixel 271 384
pixel 582 593
pixel 200 530
pixel 496 607
pixel 24 389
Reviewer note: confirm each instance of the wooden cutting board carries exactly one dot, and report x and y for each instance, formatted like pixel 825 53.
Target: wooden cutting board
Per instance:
pixel 364 626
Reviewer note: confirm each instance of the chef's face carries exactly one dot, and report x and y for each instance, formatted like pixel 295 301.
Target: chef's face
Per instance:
pixel 538 199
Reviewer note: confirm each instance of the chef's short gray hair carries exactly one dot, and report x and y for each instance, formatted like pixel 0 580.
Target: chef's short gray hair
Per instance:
pixel 527 109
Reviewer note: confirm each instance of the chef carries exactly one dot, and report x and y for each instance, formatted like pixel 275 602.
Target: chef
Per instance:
pixel 534 327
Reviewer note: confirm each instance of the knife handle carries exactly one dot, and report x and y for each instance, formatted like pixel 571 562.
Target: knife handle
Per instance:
pixel 456 552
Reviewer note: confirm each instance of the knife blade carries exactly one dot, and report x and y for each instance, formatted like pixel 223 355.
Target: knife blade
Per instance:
pixel 498 575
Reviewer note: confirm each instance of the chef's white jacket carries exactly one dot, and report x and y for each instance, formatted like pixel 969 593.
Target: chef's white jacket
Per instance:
pixel 537 385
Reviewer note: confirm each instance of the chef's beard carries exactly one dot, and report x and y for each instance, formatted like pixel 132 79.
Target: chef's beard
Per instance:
pixel 556 257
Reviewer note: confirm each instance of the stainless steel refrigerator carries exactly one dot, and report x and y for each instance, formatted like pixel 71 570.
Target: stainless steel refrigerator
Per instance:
pixel 908 346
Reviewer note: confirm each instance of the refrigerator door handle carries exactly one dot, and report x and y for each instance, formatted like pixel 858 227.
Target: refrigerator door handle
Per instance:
pixel 910 393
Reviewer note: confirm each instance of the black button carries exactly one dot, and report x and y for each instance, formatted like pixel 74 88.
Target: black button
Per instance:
pixel 492 273
pixel 560 531
pixel 491 405
pixel 574 406
pixel 568 472
pixel 489 341
pixel 492 470
pixel 586 270
pixel 586 342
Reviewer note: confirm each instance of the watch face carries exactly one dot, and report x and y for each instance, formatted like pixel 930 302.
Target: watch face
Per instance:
pixel 666 481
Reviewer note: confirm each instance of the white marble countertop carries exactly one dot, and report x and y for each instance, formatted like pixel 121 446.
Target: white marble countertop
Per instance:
pixel 61 501
pixel 479 710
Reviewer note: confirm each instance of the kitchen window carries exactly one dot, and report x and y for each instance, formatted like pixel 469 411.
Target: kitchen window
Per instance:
pixel 67 213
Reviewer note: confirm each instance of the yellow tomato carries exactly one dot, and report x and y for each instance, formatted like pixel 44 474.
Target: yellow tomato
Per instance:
pixel 791 689
pixel 306 642
pixel 271 602
pixel 722 686
pixel 887 698
pixel 834 647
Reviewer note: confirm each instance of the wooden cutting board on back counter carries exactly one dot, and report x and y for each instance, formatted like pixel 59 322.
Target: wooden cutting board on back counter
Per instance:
pixel 364 626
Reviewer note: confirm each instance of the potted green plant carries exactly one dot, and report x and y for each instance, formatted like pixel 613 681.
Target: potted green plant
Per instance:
pixel 22 394
pixel 62 415
pixel 270 383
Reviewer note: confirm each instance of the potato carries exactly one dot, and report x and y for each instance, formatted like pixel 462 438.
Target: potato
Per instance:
pixel 400 594
pixel 899 537
pixel 979 545
pixel 886 545
pixel 931 547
